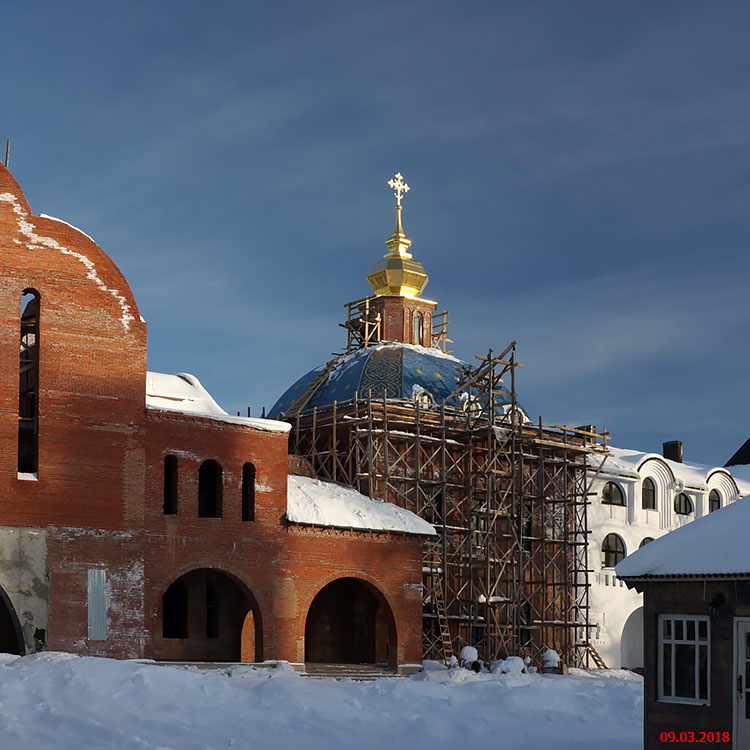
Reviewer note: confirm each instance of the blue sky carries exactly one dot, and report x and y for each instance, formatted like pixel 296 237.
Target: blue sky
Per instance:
pixel 580 177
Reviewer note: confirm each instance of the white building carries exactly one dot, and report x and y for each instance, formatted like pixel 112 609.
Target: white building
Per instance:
pixel 636 497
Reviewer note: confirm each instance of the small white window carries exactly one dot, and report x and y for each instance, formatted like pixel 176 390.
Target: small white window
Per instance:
pixel 684 658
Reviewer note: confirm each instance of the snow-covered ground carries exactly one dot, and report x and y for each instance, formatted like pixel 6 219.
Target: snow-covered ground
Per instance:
pixel 55 701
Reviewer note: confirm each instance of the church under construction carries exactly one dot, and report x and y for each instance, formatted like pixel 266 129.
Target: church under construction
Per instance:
pixel 397 503
pixel 399 418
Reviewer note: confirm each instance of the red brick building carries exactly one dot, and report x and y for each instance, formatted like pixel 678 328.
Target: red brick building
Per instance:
pixel 139 519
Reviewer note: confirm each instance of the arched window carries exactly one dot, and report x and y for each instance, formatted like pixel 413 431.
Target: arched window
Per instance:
pixel 424 399
pixel 28 384
pixel 683 505
pixel 613 550
pixel 612 494
pixel 645 541
pixel 248 492
pixel 170 485
pixel 209 489
pixel 714 501
pixel 417 330
pixel 174 611
pixel 648 494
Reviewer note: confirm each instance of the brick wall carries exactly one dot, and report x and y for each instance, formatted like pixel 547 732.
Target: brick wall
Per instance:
pixel 99 493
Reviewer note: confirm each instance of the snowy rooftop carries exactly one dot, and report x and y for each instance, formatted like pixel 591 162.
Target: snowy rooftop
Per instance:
pixel 318 503
pixel 185 393
pixel 713 545
pixel 626 462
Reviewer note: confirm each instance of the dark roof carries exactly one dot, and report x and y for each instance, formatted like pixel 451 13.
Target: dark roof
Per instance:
pixel 742 456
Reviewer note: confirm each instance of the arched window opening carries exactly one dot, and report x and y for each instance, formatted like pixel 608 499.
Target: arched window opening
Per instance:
pixel 212 612
pixel 170 485
pixel 612 494
pixel 646 540
pixel 613 550
pixel 174 611
pixel 211 616
pixel 714 501
pixel 471 405
pixel 417 329
pixel 11 636
pixel 248 492
pixel 28 387
pixel 209 489
pixel 683 505
pixel 424 400
pixel 648 494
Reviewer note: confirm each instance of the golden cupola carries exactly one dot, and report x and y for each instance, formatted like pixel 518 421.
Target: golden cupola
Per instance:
pixel 398 273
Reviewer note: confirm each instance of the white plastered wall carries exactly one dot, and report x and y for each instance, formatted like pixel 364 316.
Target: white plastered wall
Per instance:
pixel 611 602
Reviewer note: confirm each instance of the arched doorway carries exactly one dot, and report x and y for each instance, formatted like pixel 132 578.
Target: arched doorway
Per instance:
pixel 631 643
pixel 11 636
pixel 350 622
pixel 208 615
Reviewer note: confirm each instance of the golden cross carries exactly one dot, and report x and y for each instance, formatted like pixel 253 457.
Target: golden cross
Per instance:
pixel 399 186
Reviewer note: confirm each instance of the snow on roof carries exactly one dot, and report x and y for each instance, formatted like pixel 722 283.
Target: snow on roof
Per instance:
pixel 741 473
pixel 715 544
pixel 351 359
pixel 38 242
pixel 318 503
pixel 185 393
pixel 626 462
pixel 67 224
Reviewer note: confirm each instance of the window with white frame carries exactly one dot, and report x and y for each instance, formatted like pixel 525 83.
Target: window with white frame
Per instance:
pixel 648 494
pixel 684 658
pixel 612 494
pixel 613 550
pixel 714 501
pixel 683 505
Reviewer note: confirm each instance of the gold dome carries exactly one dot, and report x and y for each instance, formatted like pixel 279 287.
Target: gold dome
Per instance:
pixel 397 273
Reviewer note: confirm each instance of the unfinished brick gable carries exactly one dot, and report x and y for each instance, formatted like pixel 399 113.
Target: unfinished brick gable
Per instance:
pixel 92 558
pixel 92 366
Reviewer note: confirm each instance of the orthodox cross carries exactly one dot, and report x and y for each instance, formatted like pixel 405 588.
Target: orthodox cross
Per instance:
pixel 399 186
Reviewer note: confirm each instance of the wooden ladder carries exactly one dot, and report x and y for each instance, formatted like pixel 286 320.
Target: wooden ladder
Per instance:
pixel 439 600
pixel 595 655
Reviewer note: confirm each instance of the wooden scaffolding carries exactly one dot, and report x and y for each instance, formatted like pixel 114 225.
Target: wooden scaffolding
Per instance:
pixel 507 571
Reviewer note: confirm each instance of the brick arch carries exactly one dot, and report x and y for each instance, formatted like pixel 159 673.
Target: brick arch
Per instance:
pixel 239 620
pixel 350 620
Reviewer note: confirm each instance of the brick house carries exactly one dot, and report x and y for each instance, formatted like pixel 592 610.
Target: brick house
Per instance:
pixel 137 518
pixel 696 586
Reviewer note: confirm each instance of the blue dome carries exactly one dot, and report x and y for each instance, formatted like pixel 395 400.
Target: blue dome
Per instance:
pixel 398 371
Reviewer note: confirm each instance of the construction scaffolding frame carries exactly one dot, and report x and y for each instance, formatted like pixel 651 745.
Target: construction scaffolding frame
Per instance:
pixel 507 571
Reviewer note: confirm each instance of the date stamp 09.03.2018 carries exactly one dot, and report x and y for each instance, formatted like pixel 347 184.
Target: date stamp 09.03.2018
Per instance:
pixel 697 737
